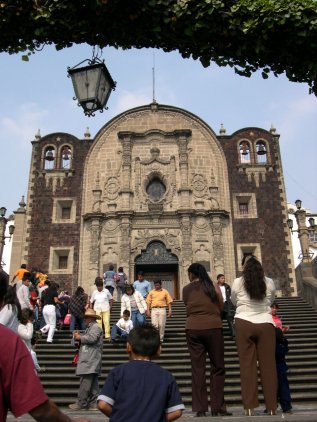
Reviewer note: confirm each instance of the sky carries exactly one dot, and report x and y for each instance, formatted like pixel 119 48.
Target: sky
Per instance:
pixel 39 95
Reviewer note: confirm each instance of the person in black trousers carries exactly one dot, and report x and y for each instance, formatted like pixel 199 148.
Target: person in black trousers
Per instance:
pixel 228 308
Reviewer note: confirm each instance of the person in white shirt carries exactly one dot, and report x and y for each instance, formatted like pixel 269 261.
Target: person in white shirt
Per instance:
pixel 122 328
pixel 10 312
pixel 252 294
pixel 227 312
pixel 23 293
pixel 25 331
pixel 101 301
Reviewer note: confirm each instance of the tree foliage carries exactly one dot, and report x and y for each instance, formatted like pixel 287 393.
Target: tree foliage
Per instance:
pixel 271 35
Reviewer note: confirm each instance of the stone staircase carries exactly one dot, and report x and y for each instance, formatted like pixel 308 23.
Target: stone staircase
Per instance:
pixel 61 384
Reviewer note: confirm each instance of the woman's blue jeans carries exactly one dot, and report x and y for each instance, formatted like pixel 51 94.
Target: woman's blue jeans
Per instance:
pixel 79 321
pixel 137 318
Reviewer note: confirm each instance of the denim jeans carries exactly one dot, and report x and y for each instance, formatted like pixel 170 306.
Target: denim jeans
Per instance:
pixel 76 320
pixel 116 331
pixel 137 318
pixel 111 289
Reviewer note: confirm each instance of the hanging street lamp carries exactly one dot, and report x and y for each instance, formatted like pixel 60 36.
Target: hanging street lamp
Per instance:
pixel 92 85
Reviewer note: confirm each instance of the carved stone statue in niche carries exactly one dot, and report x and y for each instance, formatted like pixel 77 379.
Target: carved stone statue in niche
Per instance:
pixel 202 253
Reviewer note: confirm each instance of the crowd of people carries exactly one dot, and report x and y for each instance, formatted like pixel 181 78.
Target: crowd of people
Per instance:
pixel 34 304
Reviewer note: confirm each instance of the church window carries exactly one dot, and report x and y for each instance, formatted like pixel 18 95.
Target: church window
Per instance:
pixel 244 205
pixel 261 152
pixel 61 260
pixel 65 214
pixel 66 157
pixel 244 249
pixel 243 208
pixel 49 158
pixel 156 189
pixel 245 152
pixel 64 210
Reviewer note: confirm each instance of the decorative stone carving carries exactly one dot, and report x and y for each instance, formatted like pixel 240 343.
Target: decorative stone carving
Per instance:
pixel 112 188
pixel 202 253
pixel 156 253
pixel 199 186
pixel 168 236
pixel 95 228
pixel 149 171
pixel 216 227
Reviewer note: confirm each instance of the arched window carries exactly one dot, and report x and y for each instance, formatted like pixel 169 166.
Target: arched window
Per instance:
pixel 156 189
pixel 66 157
pixel 245 152
pixel 261 152
pixel 49 158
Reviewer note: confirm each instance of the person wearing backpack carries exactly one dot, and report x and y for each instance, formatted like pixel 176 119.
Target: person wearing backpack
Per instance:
pixel 121 281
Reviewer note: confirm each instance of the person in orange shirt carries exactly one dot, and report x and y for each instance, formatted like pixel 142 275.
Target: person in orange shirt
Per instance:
pixel 158 300
pixel 20 273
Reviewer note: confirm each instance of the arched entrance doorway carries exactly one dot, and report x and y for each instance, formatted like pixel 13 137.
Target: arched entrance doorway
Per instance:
pixel 158 263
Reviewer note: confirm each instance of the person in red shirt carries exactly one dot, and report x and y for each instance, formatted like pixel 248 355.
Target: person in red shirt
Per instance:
pixel 20 388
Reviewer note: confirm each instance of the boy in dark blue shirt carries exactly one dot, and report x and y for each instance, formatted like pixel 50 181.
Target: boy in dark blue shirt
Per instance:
pixel 140 390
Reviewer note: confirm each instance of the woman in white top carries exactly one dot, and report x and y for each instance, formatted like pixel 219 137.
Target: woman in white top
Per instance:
pixel 252 294
pixel 134 302
pixel 10 312
pixel 25 331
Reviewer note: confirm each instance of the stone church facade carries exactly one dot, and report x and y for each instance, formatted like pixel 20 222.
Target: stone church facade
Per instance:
pixel 155 190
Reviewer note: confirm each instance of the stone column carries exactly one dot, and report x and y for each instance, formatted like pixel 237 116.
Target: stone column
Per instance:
pixel 218 249
pixel 18 239
pixel 186 227
pixel 126 192
pixel 94 257
pixel 184 190
pixel 125 250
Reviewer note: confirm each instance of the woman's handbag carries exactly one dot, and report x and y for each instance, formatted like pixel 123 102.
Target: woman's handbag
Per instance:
pixel 75 358
pixel 67 319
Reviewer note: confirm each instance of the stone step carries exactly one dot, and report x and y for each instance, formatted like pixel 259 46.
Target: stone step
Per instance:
pixel 61 383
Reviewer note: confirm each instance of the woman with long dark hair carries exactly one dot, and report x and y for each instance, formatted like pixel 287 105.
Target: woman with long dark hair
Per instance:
pixel 10 311
pixel 77 307
pixel 203 301
pixel 252 294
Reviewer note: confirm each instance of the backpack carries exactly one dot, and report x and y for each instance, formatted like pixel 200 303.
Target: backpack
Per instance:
pixel 117 278
pixel 120 278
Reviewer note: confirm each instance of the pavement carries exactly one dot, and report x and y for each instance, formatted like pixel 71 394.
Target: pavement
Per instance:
pixel 301 413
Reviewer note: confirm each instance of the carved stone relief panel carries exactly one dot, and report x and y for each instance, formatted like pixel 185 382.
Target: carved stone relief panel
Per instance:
pixel 199 186
pixel 112 187
pixel 171 237
pixel 156 253
pixel 110 232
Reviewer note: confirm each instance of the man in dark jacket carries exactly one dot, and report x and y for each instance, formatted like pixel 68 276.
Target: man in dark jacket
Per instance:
pixel 228 308
pixel 89 362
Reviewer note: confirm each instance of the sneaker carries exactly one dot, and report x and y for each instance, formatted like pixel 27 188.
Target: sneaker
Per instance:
pixel 75 406
pixel 92 407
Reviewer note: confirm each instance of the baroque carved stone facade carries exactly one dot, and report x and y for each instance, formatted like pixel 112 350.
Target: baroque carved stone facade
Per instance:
pixel 157 190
